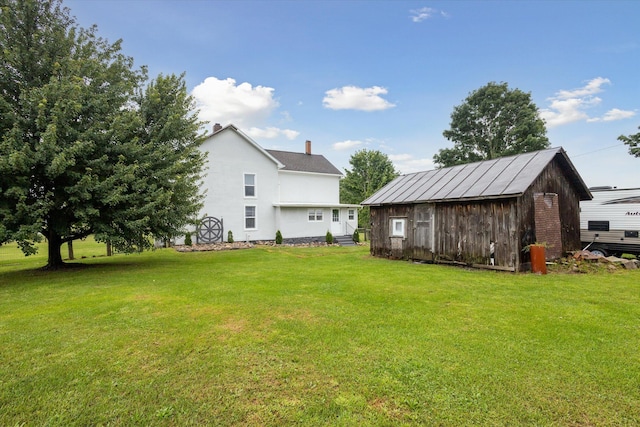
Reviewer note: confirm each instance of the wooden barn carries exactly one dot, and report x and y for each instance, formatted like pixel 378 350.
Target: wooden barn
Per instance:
pixel 483 214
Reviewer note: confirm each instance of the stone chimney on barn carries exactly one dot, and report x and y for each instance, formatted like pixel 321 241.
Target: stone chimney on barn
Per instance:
pixel 307 147
pixel 216 127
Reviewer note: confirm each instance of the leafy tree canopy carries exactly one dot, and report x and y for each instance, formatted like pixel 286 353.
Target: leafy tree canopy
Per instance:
pixel 494 121
pixel 87 144
pixel 633 141
pixel 371 170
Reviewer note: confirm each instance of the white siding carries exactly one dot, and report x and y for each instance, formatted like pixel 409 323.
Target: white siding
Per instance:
pixel 294 222
pixel 621 216
pixel 300 187
pixel 230 156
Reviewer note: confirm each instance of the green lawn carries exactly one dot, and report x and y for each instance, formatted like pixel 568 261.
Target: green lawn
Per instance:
pixel 312 336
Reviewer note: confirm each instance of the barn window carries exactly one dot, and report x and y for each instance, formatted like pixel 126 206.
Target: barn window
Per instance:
pixel 250 217
pixel 398 227
pixel 249 185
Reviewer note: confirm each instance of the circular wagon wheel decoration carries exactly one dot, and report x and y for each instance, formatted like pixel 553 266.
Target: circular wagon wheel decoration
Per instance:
pixel 210 230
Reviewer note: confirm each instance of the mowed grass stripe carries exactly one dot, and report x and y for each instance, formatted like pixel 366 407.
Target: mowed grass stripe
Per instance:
pixel 314 336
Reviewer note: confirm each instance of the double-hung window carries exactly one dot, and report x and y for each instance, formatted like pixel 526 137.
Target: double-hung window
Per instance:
pixel 250 218
pixel 249 185
pixel 352 214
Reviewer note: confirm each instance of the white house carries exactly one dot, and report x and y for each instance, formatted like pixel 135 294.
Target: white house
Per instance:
pixel 254 192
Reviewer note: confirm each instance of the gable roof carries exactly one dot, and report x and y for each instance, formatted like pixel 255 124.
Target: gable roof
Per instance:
pixel 301 162
pixel 496 178
pixel 249 140
pixel 287 160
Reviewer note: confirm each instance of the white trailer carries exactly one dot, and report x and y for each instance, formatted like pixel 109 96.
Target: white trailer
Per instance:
pixel 610 222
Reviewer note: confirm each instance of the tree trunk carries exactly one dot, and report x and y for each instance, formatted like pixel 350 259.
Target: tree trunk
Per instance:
pixel 55 258
pixel 70 248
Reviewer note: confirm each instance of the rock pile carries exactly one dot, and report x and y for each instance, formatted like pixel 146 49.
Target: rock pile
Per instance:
pixel 223 246
pixel 630 264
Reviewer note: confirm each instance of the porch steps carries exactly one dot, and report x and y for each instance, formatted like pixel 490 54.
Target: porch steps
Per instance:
pixel 344 240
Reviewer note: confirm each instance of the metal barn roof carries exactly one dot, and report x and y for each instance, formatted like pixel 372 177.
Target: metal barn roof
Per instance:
pixel 497 178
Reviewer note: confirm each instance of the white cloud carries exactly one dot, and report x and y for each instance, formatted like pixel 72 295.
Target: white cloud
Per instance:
pixel 346 145
pixel 419 15
pixel 424 13
pixel 568 106
pixel 244 105
pixel 406 163
pixel 357 98
pixel 222 101
pixel 591 88
pixel 617 114
pixel 271 133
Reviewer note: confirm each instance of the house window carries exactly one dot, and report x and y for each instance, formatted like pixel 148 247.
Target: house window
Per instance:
pixel 250 217
pixel 249 185
pixel 352 214
pixel 335 215
pixel 315 215
pixel 398 227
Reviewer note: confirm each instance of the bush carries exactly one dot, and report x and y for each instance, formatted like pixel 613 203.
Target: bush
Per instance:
pixel 356 236
pixel 230 236
pixel 187 239
pixel 329 238
pixel 278 237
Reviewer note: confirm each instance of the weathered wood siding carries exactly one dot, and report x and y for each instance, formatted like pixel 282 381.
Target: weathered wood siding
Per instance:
pixel 553 180
pixel 381 242
pixel 450 232
pixel 464 232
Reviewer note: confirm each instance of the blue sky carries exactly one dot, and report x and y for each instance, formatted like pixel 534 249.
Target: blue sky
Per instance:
pixel 386 75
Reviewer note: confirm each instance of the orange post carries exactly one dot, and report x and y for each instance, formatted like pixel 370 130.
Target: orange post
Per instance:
pixel 538 259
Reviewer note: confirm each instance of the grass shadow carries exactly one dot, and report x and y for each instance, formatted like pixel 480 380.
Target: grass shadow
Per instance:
pixel 9 278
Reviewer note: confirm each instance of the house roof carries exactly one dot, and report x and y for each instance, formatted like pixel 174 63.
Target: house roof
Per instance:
pixel 257 146
pixel 286 160
pixel 301 162
pixel 496 178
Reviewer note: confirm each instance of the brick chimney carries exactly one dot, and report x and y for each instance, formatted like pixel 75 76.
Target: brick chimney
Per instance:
pixel 307 147
pixel 216 127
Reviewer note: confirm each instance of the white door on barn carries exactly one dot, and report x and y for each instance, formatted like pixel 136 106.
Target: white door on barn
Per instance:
pixel 336 224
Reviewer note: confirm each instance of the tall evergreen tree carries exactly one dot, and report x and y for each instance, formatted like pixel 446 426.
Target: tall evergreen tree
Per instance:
pixel 87 148
pixel 494 121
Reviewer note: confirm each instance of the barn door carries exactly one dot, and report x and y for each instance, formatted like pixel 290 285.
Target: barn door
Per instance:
pixel 548 226
pixel 423 232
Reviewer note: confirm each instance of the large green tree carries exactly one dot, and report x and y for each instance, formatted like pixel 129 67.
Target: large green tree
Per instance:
pixel 493 121
pixel 633 141
pixel 87 144
pixel 370 171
